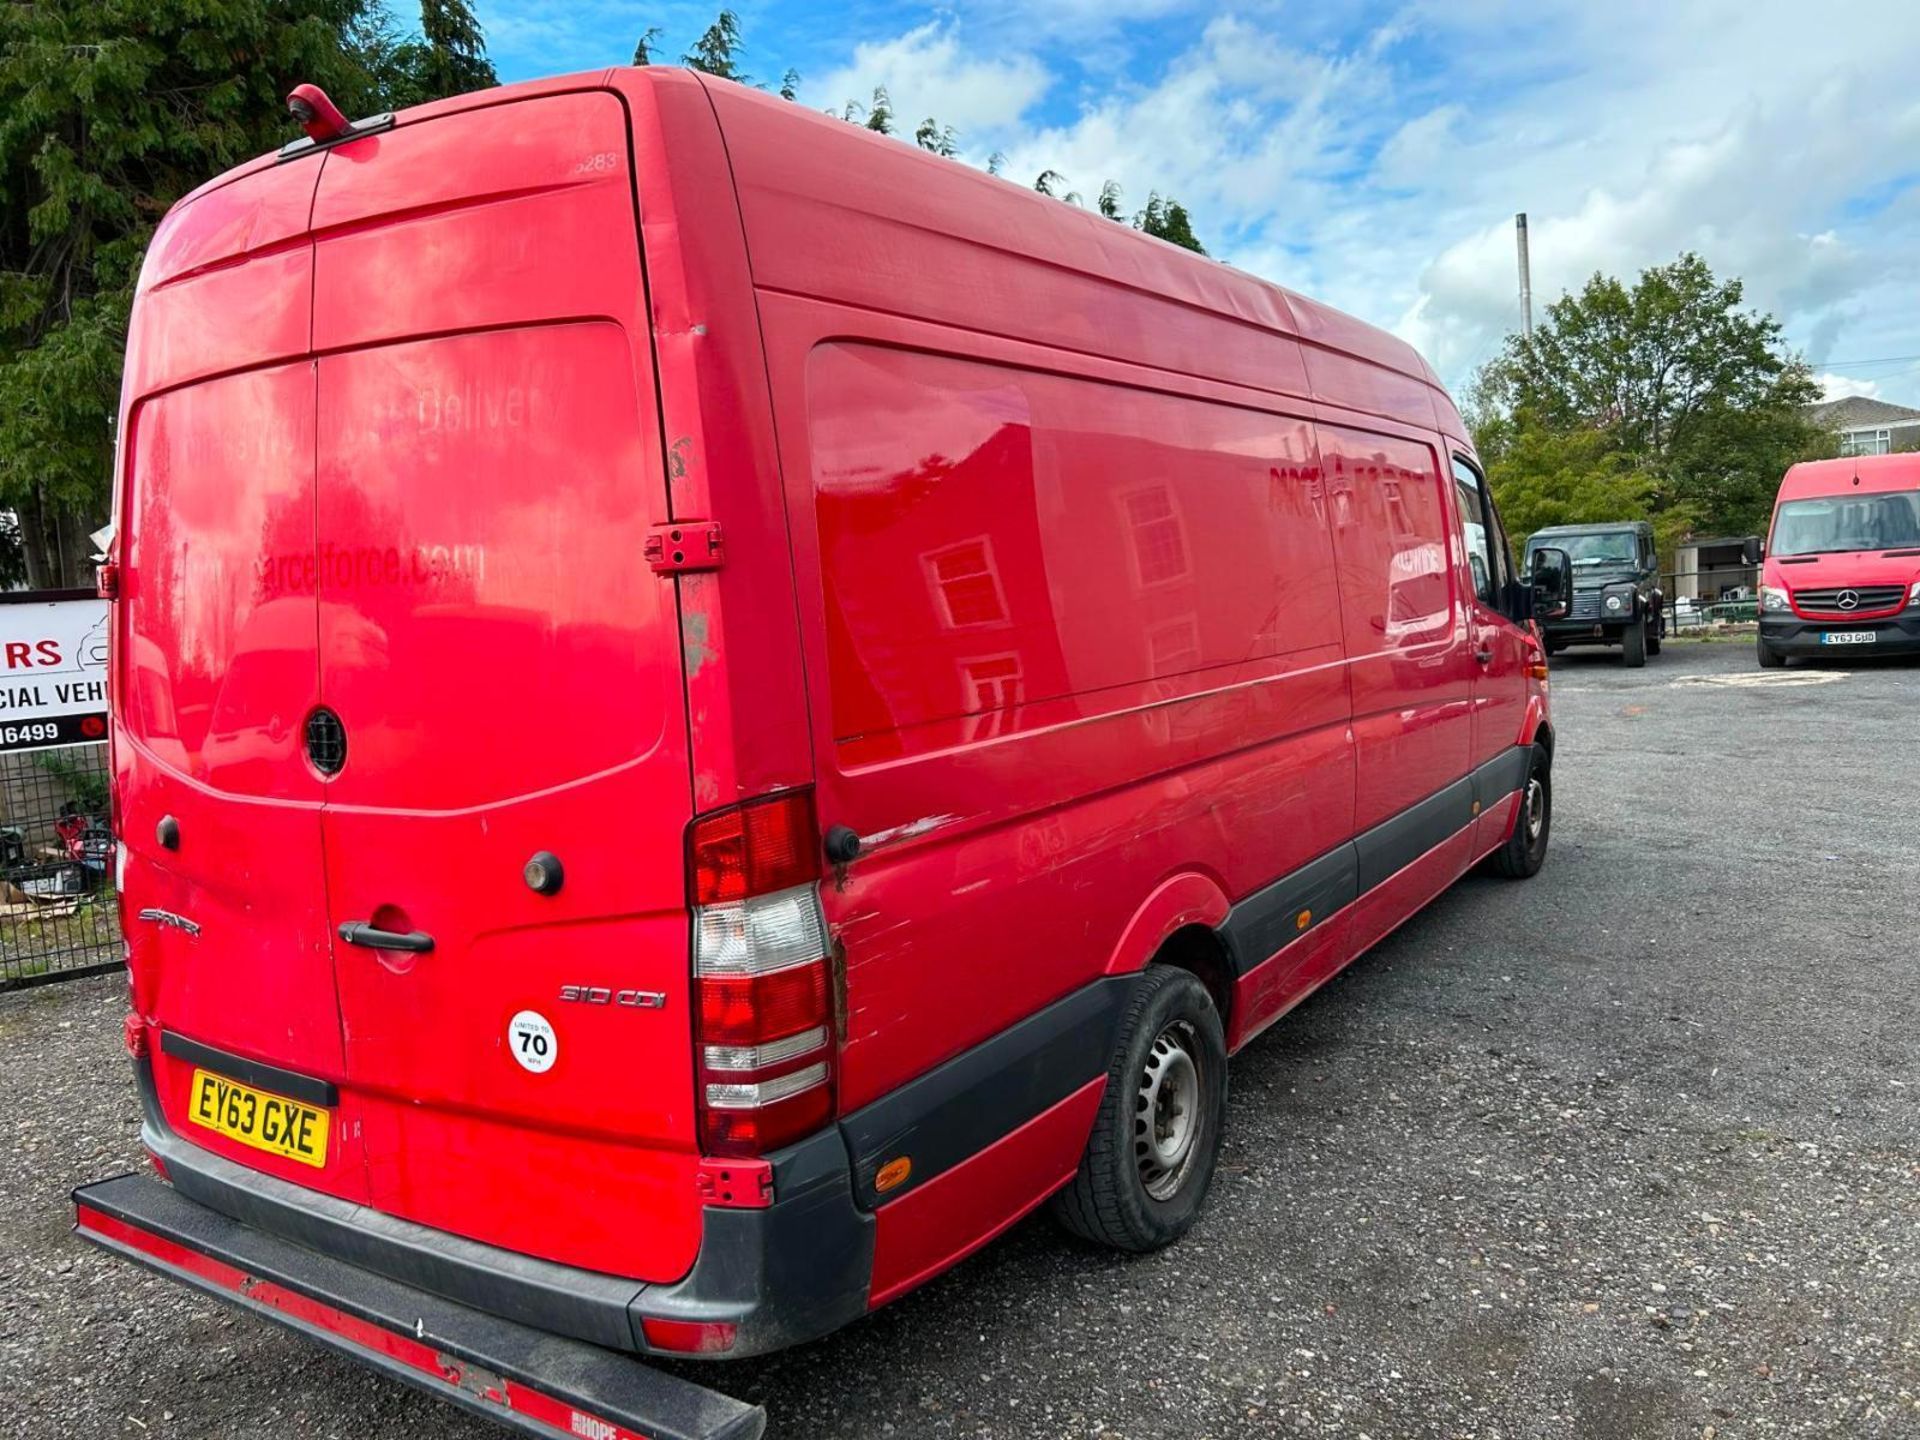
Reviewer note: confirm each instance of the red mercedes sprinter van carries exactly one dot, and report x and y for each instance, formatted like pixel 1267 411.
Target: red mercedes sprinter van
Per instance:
pixel 710 708
pixel 1841 572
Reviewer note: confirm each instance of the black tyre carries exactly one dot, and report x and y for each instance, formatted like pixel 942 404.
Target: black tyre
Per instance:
pixel 1656 631
pixel 1633 644
pixel 1156 1140
pixel 1526 849
pixel 1770 658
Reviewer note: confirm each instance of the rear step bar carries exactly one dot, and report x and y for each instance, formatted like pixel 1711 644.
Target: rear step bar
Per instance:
pixel 539 1384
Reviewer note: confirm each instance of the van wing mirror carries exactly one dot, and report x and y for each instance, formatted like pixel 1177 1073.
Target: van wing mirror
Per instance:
pixel 1552 581
pixel 1752 550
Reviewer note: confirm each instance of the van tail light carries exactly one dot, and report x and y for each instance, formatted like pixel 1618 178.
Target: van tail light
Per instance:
pixel 755 849
pixel 765 1007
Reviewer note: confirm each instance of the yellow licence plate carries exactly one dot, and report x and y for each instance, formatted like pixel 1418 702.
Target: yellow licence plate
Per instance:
pixel 253 1117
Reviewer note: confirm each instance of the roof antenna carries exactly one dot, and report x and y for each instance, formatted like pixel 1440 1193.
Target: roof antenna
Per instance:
pixel 318 115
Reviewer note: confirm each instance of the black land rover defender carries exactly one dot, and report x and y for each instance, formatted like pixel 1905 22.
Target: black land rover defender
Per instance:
pixel 1616 588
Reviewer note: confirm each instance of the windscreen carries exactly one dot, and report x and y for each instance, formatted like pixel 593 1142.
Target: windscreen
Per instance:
pixel 1848 522
pixel 1606 547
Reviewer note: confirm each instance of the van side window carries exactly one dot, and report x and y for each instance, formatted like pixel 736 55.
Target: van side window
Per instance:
pixel 1476 531
pixel 1504 573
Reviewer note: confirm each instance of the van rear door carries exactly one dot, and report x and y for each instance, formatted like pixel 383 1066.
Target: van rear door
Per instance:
pixel 505 672
pixel 216 667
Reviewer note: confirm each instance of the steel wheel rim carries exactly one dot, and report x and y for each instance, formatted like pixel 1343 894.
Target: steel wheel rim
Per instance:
pixel 1536 808
pixel 1166 1112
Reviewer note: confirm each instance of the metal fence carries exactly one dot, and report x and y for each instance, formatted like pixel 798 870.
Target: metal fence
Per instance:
pixel 58 915
pixel 1703 599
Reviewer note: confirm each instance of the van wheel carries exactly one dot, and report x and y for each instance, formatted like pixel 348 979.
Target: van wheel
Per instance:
pixel 1150 1158
pixel 1633 644
pixel 1770 658
pixel 1526 849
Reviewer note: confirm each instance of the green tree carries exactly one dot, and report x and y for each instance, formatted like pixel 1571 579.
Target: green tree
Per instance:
pixel 1168 219
pixel 1165 217
pixel 938 138
pixel 1679 380
pixel 110 111
pixel 447 57
pixel 454 61
pixel 1053 185
pixel 1548 477
pixel 643 47
pixel 718 50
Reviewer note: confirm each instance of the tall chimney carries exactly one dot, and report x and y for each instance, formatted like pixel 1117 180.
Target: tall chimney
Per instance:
pixel 1526 274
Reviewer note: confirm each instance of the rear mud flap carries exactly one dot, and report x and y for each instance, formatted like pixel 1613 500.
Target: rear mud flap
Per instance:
pixel 537 1383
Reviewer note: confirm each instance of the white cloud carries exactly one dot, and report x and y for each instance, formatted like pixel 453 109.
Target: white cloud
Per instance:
pixel 1839 387
pixel 1380 169
pixel 927 71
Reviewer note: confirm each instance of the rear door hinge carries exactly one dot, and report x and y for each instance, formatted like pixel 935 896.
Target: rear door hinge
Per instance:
pixel 685 545
pixel 735 1184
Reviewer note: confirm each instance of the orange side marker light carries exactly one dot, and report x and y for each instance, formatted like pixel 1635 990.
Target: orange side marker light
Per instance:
pixel 893 1174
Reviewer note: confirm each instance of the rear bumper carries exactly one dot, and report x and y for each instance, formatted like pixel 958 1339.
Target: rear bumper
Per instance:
pixel 1790 635
pixel 782 1274
pixel 510 1373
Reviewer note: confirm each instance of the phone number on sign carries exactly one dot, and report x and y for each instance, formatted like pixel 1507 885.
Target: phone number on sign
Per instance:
pixel 54 731
pixel 28 734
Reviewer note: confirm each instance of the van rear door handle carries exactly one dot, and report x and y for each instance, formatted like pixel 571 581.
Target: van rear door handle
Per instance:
pixel 1485 657
pixel 359 932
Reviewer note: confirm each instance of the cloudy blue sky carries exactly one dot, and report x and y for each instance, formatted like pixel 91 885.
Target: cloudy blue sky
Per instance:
pixel 1373 155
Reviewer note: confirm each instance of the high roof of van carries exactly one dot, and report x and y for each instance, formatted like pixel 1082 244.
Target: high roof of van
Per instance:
pixel 1849 473
pixel 902 229
pixel 800 172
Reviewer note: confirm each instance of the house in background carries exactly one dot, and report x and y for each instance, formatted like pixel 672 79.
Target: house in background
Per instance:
pixel 1868 427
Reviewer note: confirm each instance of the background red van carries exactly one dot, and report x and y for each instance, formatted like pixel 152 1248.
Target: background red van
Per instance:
pixel 1841 574
pixel 710 708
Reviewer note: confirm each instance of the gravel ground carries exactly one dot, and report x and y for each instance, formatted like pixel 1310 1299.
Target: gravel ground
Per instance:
pixel 1628 1151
